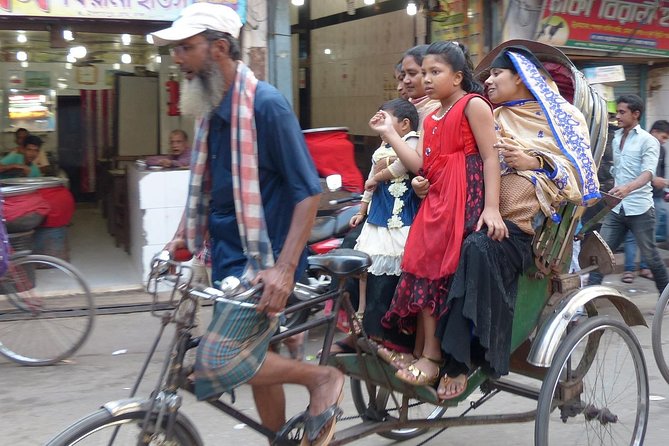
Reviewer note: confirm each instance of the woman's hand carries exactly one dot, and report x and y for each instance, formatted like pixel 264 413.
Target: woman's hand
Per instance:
pixel 516 158
pixel 497 229
pixel 420 186
pixel 356 220
pixel 370 185
pixel 383 164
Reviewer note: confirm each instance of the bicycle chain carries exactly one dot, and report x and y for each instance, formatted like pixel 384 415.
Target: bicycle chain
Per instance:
pixel 353 417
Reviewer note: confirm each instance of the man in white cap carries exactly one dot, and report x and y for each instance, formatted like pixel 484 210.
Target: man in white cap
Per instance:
pixel 249 149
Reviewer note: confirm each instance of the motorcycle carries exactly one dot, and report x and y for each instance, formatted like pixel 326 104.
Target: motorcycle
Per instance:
pixel 327 234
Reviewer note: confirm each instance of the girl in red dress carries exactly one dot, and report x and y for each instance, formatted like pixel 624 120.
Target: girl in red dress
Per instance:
pixel 462 167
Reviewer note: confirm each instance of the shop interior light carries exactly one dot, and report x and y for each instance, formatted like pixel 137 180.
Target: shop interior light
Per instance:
pixel 68 35
pixel 68 66
pixel 70 58
pixel 297 2
pixel 411 8
pixel 125 38
pixel 159 59
pixel 21 56
pixel 78 51
pixel 21 37
pixel 116 66
pixel 24 64
pixel 125 58
pixel 370 2
pixel 149 39
pixel 327 51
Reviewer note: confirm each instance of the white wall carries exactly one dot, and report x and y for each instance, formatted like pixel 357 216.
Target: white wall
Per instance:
pixel 658 95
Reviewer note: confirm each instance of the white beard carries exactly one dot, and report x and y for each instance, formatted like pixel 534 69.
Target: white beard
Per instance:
pixel 202 94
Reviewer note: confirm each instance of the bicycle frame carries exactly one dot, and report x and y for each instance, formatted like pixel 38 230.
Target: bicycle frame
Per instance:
pixel 164 400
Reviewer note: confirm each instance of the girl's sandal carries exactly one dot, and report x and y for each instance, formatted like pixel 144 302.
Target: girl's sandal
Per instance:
pixel 356 324
pixel 416 377
pixel 396 359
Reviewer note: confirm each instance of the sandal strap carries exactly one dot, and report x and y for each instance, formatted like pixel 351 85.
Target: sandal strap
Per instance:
pixel 313 424
pixel 438 362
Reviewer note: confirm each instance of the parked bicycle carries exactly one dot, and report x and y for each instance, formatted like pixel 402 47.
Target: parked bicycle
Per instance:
pixel 46 310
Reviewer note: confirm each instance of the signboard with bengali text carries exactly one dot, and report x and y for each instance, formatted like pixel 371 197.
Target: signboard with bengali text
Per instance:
pixel 166 10
pixel 639 27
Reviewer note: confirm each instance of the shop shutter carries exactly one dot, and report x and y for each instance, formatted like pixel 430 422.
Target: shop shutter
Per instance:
pixel 633 75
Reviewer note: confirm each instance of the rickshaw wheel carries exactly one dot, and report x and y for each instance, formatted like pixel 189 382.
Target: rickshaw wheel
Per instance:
pixel 660 347
pixel 387 409
pixel 604 403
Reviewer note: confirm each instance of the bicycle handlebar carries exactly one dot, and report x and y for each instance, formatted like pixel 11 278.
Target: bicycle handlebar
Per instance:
pixel 353 197
pixel 231 288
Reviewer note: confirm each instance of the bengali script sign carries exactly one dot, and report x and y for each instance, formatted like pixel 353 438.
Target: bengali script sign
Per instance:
pixel 166 10
pixel 640 27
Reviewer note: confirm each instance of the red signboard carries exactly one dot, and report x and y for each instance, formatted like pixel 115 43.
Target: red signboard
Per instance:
pixel 639 27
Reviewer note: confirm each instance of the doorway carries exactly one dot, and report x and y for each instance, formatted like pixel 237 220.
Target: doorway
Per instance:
pixel 70 149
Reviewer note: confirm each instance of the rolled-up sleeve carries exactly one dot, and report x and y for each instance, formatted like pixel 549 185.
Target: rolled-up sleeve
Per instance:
pixel 650 154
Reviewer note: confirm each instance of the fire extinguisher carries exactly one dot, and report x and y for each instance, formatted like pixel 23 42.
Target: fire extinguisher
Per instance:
pixel 172 97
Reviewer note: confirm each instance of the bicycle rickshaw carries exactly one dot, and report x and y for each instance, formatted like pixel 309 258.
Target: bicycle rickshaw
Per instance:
pixel 588 375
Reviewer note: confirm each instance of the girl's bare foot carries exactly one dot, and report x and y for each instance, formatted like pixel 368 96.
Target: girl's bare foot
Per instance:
pixel 450 388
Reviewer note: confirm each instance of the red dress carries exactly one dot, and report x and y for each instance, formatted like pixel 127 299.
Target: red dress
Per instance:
pixel 449 212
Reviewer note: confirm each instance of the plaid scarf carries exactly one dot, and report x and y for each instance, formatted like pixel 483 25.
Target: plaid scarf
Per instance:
pixel 245 183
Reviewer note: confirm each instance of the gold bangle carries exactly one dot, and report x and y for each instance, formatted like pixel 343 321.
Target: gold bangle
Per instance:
pixel 541 162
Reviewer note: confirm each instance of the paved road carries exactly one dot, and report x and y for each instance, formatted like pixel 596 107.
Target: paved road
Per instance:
pixel 38 402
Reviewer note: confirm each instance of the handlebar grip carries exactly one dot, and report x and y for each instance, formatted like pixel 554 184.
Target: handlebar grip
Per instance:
pixel 182 255
pixel 353 197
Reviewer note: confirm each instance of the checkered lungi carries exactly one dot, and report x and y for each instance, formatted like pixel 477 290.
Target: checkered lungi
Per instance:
pixel 232 350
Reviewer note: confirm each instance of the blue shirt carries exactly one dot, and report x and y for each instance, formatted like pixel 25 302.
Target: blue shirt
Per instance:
pixel 639 154
pixel 18 158
pixel 287 176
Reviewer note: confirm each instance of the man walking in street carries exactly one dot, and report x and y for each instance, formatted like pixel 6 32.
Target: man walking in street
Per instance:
pixel 635 157
pixel 255 190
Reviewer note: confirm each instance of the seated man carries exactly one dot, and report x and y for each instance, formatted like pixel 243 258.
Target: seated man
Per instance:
pixel 22 163
pixel 180 152
pixel 42 161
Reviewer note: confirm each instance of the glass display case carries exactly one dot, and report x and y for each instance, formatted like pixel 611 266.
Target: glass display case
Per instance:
pixel 32 109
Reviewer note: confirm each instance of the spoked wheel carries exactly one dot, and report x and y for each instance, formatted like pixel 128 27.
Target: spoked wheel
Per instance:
pixel 102 428
pixel 660 344
pixel 46 310
pixel 387 409
pixel 596 390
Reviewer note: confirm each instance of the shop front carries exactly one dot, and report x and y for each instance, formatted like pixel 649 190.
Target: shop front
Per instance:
pixel 86 79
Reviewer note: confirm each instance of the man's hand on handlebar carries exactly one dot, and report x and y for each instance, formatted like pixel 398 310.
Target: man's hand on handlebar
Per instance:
pixel 173 245
pixel 278 283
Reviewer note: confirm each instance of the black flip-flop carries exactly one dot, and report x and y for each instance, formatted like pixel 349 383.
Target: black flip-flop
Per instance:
pixel 314 424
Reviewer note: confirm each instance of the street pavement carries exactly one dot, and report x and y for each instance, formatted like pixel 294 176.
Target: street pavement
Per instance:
pixel 38 402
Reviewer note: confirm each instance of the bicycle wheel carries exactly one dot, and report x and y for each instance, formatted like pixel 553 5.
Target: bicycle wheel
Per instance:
pixel 387 408
pixel 103 428
pixel 661 351
pixel 46 310
pixel 603 403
